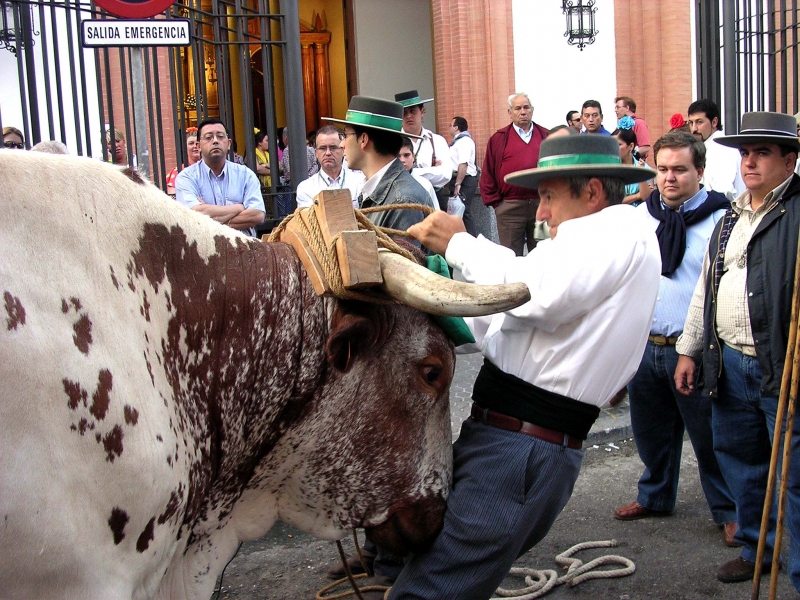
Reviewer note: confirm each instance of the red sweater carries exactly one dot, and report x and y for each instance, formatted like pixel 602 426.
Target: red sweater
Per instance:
pixel 506 153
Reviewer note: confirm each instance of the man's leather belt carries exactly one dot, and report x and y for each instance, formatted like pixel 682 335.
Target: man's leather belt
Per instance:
pixel 746 350
pixel 501 421
pixel 663 340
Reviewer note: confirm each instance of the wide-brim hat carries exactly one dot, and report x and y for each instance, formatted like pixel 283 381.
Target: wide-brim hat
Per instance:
pixel 374 113
pixel 579 156
pixel 410 98
pixel 764 127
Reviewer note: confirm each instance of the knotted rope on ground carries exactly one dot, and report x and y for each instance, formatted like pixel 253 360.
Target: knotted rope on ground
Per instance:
pixel 540 583
pixel 326 254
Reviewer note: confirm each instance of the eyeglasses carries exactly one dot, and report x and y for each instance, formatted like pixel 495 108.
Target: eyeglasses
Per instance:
pixel 346 133
pixel 326 149
pixel 209 137
pixel 17 145
pixel 575 120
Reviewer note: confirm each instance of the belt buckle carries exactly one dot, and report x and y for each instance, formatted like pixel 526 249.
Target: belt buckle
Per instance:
pixel 565 441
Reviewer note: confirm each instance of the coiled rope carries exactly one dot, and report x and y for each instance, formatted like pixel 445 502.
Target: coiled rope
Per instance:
pixel 540 583
pixel 326 254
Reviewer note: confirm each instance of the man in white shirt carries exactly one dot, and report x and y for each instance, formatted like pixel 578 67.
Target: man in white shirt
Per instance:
pixel 431 152
pixel 722 172
pixel 333 175
pixel 550 364
pixel 465 177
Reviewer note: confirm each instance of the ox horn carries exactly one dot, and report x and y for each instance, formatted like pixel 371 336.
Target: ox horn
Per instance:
pixel 414 285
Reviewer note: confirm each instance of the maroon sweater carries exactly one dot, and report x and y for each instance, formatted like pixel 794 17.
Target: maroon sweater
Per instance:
pixel 506 153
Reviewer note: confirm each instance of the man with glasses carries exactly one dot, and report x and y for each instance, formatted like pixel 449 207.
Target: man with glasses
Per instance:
pixel 574 120
pixel 333 175
pixel 624 106
pixel 216 187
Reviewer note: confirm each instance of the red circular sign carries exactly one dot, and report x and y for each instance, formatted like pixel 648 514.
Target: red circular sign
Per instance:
pixel 131 9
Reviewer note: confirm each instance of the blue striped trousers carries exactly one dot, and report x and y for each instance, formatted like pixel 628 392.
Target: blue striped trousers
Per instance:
pixel 508 489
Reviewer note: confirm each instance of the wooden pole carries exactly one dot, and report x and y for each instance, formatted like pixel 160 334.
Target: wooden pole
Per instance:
pixel 789 379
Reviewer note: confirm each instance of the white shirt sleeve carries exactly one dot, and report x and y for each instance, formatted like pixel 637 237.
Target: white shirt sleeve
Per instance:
pixel 440 175
pixel 304 198
pixel 566 277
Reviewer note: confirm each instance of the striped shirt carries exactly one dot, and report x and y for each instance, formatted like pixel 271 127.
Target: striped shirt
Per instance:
pixel 733 312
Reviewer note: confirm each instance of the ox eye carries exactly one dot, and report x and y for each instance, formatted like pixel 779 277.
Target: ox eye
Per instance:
pixel 431 373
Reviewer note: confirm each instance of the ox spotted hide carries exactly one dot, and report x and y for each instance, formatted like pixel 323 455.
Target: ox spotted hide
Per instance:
pixel 171 388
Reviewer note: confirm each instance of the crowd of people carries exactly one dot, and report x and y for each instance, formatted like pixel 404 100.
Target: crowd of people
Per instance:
pixel 670 281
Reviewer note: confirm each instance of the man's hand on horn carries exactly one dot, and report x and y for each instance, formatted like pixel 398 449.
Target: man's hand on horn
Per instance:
pixel 436 230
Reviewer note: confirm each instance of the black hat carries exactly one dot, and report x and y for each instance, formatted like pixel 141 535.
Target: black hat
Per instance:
pixel 579 156
pixel 769 127
pixel 374 113
pixel 410 98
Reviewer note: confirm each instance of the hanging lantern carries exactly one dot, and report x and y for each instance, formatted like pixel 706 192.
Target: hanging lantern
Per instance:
pixel 580 22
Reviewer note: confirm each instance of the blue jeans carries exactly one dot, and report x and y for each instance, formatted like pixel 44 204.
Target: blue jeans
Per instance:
pixel 659 415
pixel 743 422
pixel 508 489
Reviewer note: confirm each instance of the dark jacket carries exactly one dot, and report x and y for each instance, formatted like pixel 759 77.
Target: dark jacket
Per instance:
pixel 397 186
pixel 771 254
pixel 490 175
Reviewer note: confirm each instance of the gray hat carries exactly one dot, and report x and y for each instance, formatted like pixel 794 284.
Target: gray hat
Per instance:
pixel 768 127
pixel 579 156
pixel 374 113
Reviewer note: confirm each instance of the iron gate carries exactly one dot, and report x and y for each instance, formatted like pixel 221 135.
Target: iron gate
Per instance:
pixel 241 53
pixel 747 56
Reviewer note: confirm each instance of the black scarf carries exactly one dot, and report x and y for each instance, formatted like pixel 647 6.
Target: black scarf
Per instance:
pixel 671 231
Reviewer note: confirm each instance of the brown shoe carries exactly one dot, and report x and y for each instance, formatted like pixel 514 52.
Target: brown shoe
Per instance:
pixel 336 570
pixel 729 533
pixel 618 397
pixel 740 569
pixel 634 510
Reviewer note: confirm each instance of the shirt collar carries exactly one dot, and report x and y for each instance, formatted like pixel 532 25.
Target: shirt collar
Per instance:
pixel 742 202
pixel 372 183
pixel 209 173
pixel 522 133
pixel 693 202
pixel 331 180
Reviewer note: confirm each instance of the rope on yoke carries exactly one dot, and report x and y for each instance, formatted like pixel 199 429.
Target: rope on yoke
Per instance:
pixel 327 257
pixel 540 583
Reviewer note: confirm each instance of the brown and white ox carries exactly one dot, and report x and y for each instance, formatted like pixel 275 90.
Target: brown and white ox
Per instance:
pixel 169 388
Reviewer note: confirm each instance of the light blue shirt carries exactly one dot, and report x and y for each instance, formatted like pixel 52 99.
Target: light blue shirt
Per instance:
pixel 236 184
pixel 675 293
pixel 525 135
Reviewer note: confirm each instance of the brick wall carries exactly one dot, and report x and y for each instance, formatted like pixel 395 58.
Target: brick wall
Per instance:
pixel 654 62
pixel 117 97
pixel 473 54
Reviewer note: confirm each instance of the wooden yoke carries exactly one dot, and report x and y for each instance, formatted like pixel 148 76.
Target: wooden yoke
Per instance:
pixel 356 250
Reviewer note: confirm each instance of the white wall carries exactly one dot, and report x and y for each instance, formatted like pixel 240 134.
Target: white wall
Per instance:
pixel 11 104
pixel 394 51
pixel 559 77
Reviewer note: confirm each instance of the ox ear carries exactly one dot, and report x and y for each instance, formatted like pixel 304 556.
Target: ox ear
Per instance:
pixel 351 335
